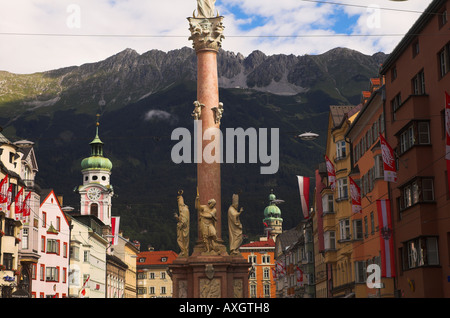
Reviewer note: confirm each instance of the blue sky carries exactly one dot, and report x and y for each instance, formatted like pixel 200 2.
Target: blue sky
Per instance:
pixel 39 35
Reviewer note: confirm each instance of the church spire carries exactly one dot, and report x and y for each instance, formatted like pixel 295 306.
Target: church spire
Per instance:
pixel 96 160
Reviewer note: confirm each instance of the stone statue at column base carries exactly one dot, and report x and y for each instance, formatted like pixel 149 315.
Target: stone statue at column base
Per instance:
pixel 235 226
pixel 182 226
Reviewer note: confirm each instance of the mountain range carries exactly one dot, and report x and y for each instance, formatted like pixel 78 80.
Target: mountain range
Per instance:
pixel 142 98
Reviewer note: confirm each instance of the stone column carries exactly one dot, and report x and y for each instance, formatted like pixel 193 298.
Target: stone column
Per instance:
pixel 206 34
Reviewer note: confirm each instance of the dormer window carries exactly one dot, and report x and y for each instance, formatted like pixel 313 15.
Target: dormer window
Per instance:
pixel 142 260
pixel 163 259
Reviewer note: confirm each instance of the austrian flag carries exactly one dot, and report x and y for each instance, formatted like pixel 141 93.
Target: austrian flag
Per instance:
pixel 303 185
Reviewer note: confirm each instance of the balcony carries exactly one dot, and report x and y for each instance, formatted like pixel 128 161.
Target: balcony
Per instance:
pixel 415 106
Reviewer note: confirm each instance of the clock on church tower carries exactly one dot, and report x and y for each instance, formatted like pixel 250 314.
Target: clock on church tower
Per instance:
pixel 96 192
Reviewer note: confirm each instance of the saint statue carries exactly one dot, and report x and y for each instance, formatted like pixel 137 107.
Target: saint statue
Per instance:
pixel 235 226
pixel 207 224
pixel 205 8
pixel 182 225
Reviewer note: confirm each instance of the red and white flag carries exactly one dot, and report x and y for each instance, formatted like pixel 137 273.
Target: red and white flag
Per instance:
pixel 447 129
pixel 26 205
pixel 355 192
pixel 18 200
pixel 386 238
pixel 83 289
pixel 115 220
pixel 299 277
pixel 331 173
pixel 9 197
pixel 390 171
pixel 303 185
pixel 4 190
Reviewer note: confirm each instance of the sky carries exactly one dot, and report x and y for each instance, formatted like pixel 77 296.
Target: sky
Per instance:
pixel 41 35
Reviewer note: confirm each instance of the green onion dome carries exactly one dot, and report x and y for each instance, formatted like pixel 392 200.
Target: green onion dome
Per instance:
pixel 272 210
pixel 96 161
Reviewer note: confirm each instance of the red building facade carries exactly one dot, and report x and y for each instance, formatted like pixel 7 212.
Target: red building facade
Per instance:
pixel 416 74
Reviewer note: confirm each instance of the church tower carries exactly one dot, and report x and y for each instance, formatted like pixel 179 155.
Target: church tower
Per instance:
pixel 96 192
pixel 272 217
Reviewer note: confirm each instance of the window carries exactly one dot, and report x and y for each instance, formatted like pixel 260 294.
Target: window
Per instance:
pixel 42 272
pixel 330 240
pixel 25 238
pixel 9 227
pixel 265 259
pixel 44 219
pixel 442 18
pixel 151 290
pixel 357 229
pixel 340 150
pixel 344 227
pixel 75 253
pixel 360 272
pixel 42 243
pixel 86 256
pixel 163 275
pixel 253 291
pixel 366 227
pixel 378 167
pixel 342 189
pixel 421 251
pixel 418 83
pixel 372 223
pixel 444 60
pixel 152 276
pixel 328 203
pixel 8 261
pixel 266 273
pixel 163 290
pixel 396 102
pixel 266 290
pixel 53 246
pixel 393 73
pixel 52 274
pixel 419 190
pixel 252 259
pixel 407 137
pixel 415 48
pixel 94 209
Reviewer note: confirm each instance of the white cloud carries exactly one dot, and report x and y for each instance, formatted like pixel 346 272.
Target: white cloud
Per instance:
pixel 249 25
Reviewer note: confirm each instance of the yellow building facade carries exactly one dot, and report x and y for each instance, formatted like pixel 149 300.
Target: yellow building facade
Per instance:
pixel 337 213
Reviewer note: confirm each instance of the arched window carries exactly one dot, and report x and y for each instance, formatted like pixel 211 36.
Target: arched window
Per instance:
pixel 94 209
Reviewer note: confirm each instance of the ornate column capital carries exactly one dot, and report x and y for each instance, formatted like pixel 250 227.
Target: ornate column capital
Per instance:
pixel 206 33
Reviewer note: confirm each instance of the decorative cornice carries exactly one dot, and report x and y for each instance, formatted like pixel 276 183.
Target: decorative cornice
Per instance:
pixel 206 33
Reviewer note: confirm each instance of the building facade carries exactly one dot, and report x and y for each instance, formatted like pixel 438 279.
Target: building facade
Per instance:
pixel 50 273
pixel 417 77
pixel 368 173
pixel 261 254
pixel 87 274
pixel 154 280
pixel 10 223
pixel 337 208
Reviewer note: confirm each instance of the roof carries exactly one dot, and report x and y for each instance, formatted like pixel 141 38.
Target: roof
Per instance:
pixel 287 239
pixel 338 113
pixel 269 243
pixel 413 32
pixel 156 258
pixel 3 139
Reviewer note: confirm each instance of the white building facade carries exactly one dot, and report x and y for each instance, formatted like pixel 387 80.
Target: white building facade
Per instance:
pixel 50 273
